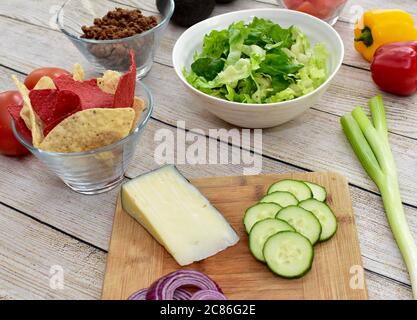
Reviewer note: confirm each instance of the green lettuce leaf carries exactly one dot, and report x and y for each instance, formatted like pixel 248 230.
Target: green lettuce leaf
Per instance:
pixel 279 63
pixel 256 55
pixel 232 74
pixel 258 62
pixel 237 35
pixel 216 44
pixel 207 67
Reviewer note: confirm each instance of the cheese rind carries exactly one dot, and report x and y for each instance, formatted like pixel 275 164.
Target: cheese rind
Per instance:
pixel 177 215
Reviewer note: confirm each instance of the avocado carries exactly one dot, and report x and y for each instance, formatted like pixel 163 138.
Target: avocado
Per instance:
pixel 189 12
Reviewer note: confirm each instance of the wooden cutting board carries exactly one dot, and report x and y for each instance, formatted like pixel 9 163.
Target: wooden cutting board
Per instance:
pixel 135 259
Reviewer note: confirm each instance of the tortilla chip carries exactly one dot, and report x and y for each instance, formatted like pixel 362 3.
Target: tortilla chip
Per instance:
pixel 107 159
pixel 138 106
pixel 35 123
pixel 109 81
pixel 19 123
pixel 45 83
pixel 89 129
pixel 90 94
pixel 125 92
pixel 25 115
pixel 78 72
pixel 52 106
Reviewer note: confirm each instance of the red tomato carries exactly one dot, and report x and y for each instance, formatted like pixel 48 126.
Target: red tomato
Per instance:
pixel 33 77
pixel 308 7
pixel 326 8
pixel 8 144
pixel 293 4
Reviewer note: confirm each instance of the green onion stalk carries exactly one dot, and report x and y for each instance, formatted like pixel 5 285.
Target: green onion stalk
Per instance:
pixel 369 141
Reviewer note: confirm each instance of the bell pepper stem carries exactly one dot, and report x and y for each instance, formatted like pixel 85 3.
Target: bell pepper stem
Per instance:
pixel 366 37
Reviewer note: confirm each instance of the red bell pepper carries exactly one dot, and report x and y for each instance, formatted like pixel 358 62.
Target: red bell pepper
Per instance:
pixel 394 67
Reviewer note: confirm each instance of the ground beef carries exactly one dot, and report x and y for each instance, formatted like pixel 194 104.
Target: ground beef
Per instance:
pixel 119 23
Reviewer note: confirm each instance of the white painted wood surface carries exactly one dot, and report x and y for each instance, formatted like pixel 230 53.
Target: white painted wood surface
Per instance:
pixel 43 223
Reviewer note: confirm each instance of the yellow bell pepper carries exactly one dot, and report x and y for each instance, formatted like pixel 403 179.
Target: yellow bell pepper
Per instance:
pixel 379 27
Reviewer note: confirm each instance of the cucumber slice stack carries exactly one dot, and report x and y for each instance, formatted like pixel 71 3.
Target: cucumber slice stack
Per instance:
pixel 286 223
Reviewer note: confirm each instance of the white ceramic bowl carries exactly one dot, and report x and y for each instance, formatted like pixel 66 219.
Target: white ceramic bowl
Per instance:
pixel 259 115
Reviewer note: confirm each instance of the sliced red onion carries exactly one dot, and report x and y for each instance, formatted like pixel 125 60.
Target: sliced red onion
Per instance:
pixel 208 295
pixel 139 295
pixel 179 294
pixel 164 288
pixel 182 294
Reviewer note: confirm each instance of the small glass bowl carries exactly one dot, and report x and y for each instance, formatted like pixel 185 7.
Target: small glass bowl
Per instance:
pixel 99 170
pixel 114 54
pixel 327 10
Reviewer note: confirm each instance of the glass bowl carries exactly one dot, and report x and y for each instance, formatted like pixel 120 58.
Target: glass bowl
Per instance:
pixel 114 54
pixel 99 170
pixel 327 10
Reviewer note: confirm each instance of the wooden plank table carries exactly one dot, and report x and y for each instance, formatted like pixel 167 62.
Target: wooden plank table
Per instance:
pixel 43 224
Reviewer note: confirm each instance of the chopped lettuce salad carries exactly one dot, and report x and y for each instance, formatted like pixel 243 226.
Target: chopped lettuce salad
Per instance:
pixel 259 62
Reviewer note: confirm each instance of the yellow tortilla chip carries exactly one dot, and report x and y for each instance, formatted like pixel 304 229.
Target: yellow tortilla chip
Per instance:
pixel 45 83
pixel 89 129
pixel 138 106
pixel 106 159
pixel 32 117
pixel 78 72
pixel 25 114
pixel 109 81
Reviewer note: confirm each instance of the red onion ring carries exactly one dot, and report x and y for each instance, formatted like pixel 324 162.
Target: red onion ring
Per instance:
pixel 208 295
pixel 182 294
pixel 164 288
pixel 179 294
pixel 138 295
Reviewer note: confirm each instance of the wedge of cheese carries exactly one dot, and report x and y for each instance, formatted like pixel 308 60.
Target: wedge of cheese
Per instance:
pixel 177 215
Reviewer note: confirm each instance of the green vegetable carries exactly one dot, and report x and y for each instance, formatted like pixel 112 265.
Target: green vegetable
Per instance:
pixel 288 254
pixel 216 44
pixel 303 221
pixel 207 67
pixel 258 212
pixel 259 62
pixel 369 141
pixel 260 233
pixel 281 198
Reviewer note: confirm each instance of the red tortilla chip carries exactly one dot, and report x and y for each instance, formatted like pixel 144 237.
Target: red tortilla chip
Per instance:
pixel 52 106
pixel 19 123
pixel 43 103
pixel 67 103
pixel 125 92
pixel 91 96
pixel 53 124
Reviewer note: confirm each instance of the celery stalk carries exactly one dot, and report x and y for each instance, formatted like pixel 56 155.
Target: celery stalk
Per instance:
pixel 369 141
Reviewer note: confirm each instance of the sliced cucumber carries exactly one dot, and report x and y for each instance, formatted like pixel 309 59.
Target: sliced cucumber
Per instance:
pixel 258 212
pixel 261 231
pixel 325 215
pixel 282 198
pixel 288 254
pixel 302 221
pixel 298 188
pixel 319 192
